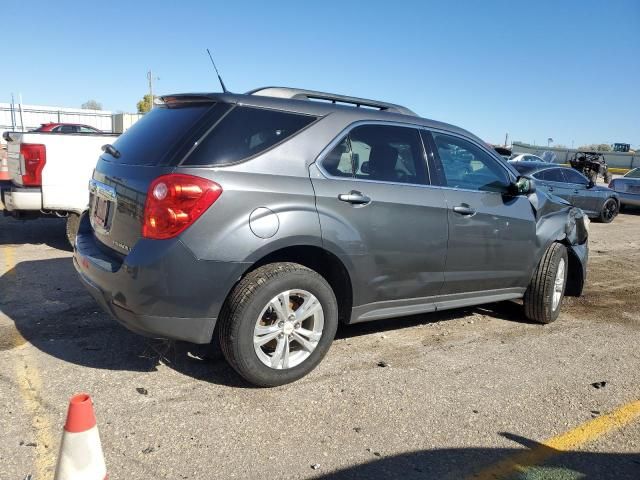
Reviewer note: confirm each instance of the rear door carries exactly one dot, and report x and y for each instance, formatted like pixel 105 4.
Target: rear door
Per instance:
pixel 378 211
pixel 491 233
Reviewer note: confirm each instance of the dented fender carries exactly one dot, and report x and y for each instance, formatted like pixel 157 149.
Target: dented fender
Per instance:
pixel 559 221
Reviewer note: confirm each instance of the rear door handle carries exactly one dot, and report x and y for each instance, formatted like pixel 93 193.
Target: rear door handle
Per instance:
pixel 354 197
pixel 576 191
pixel 551 189
pixel 464 210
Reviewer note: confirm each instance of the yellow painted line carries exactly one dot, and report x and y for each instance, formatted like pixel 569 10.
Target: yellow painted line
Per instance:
pixel 9 260
pixel 582 434
pixel 30 388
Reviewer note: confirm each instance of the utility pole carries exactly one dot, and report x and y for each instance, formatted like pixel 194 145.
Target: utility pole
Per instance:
pixel 151 78
pixel 506 139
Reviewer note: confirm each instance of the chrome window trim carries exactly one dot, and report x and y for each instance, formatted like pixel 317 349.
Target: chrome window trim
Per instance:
pixel 347 130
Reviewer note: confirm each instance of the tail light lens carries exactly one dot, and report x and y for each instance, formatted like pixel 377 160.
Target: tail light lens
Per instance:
pixel 34 157
pixel 174 202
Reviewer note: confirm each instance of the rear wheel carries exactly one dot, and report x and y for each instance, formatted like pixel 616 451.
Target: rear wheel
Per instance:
pixel 73 222
pixel 609 211
pixel 543 297
pixel 278 323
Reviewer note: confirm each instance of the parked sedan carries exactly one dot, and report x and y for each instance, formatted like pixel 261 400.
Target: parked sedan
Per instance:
pixel 525 157
pixel 628 188
pixel 67 128
pixel 599 203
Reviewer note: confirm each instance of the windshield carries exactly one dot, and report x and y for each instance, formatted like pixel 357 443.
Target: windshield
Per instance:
pixel 635 173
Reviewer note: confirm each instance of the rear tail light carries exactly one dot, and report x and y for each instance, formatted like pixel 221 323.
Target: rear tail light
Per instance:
pixel 34 157
pixel 174 202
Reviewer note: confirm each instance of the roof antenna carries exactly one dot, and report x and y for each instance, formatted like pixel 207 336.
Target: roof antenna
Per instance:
pixel 224 89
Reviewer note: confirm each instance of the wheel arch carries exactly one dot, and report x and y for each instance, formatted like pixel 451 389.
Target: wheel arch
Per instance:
pixel 322 261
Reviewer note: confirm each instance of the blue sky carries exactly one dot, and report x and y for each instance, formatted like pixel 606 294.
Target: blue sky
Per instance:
pixel 569 70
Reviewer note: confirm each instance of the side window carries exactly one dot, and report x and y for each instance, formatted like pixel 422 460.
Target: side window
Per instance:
pixel 244 132
pixel 388 153
pixel 467 166
pixel 86 130
pixel 574 177
pixel 550 175
pixel 67 129
pixel 338 162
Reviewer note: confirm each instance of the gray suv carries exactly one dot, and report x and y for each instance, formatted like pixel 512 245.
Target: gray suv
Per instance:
pixel 261 220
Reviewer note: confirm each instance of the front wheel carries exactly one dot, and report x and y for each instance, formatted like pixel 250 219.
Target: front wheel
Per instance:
pixel 543 297
pixel 278 323
pixel 609 211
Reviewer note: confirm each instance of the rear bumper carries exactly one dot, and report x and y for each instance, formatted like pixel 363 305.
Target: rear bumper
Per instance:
pixel 629 199
pixel 160 290
pixel 17 199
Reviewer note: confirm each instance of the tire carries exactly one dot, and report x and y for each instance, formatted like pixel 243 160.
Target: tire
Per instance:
pixel 539 305
pixel 252 304
pixel 609 211
pixel 73 222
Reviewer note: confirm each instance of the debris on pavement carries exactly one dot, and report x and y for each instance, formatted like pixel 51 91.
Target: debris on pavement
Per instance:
pixel 142 390
pixel 315 466
pixel 383 364
pixel 599 384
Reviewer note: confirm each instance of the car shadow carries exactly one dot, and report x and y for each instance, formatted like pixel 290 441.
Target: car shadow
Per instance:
pixel 49 231
pixel 631 211
pixel 533 461
pixel 51 309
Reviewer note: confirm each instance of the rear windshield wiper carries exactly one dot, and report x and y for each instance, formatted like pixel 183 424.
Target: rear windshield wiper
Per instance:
pixel 111 150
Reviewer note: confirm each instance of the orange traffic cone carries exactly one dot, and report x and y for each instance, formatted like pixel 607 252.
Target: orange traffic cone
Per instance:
pixel 80 451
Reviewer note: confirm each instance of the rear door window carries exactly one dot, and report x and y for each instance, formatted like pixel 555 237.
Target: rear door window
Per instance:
pixel 383 153
pixel 245 132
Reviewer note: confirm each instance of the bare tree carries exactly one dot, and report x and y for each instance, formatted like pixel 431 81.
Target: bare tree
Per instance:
pixel 91 105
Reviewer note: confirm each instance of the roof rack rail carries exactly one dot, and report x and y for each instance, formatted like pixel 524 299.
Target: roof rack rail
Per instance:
pixel 300 94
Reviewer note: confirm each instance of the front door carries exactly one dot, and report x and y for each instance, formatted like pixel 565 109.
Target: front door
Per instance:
pixel 581 197
pixel 491 234
pixel 553 181
pixel 378 212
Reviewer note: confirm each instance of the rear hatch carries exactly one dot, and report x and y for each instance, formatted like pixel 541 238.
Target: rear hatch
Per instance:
pixel 153 146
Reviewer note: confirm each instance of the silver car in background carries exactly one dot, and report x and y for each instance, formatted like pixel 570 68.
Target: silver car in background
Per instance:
pixel 628 188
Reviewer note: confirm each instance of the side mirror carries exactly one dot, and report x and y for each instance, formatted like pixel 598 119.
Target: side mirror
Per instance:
pixel 523 186
pixel 590 184
pixel 364 168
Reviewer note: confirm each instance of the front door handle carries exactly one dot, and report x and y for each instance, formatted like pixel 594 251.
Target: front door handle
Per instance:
pixel 354 197
pixel 464 210
pixel 576 191
pixel 551 189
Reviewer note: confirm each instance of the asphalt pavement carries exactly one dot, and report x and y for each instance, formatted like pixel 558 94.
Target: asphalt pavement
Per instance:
pixel 468 393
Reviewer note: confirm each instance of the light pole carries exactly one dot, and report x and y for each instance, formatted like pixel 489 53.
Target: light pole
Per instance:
pixel 549 141
pixel 151 78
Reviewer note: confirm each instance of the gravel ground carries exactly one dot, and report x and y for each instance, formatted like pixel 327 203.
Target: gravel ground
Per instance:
pixel 462 389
